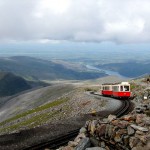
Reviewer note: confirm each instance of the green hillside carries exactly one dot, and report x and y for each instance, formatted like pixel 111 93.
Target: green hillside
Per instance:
pixel 11 84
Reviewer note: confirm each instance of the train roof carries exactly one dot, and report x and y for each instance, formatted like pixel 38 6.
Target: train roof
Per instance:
pixel 122 83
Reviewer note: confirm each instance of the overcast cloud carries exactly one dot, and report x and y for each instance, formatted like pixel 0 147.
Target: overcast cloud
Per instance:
pixel 75 20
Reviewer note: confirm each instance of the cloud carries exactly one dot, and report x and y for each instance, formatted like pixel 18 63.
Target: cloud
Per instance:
pixel 75 20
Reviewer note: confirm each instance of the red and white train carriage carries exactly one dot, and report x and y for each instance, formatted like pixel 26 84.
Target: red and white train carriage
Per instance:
pixel 119 90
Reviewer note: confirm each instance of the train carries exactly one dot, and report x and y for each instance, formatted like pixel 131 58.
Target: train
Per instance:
pixel 116 90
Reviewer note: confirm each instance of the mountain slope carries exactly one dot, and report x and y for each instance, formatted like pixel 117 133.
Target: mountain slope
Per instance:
pixel 42 69
pixel 11 84
pixel 128 69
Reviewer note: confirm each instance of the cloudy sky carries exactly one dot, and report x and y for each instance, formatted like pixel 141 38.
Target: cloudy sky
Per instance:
pixel 54 21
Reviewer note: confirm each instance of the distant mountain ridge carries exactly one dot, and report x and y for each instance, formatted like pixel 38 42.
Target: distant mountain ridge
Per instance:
pixel 128 69
pixel 35 68
pixel 11 84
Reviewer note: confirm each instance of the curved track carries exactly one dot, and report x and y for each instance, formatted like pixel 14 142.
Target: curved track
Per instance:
pixel 62 140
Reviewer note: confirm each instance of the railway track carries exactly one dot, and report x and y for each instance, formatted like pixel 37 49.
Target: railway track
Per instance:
pixel 52 144
pixel 62 140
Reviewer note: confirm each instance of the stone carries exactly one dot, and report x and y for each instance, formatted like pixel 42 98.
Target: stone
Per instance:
pixel 134 148
pixel 139 118
pixel 67 148
pixel 105 120
pixel 111 117
pixel 93 126
pixel 122 131
pixel 83 144
pixel 107 148
pixel 115 122
pixel 89 126
pixel 143 138
pixel 133 141
pixel 130 130
pixel 139 148
pixel 146 121
pixel 72 143
pixel 129 117
pixel 103 144
pixel 94 141
pixel 79 137
pixel 139 132
pixel 126 140
pixel 122 124
pixel 115 129
pixel 106 131
pixel 95 148
pixel 112 142
pixel 83 130
pixel 110 130
pixel 139 128
pixel 93 112
pixel 117 137
pixel 100 131
pixel 147 147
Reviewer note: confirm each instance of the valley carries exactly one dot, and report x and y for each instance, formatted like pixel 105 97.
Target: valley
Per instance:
pixel 38 69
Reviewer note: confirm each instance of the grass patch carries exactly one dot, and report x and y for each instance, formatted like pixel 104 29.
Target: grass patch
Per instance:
pixel 134 86
pixel 32 122
pixel 38 109
pixel 91 89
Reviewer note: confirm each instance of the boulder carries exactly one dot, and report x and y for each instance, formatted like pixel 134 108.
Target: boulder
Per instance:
pixel 130 130
pixel 83 144
pixel 111 117
pixel 139 128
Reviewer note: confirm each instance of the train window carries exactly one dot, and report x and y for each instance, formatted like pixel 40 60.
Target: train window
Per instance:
pixel 126 88
pixel 121 88
pixel 116 88
pixel 107 87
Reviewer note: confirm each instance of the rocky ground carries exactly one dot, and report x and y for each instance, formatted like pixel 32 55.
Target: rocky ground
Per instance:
pixel 130 132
